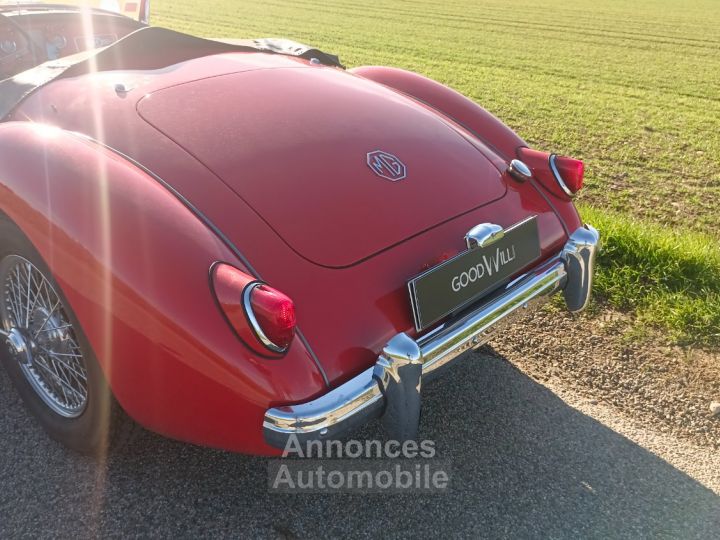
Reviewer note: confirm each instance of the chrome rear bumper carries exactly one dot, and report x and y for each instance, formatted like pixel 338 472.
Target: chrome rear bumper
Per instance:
pixel 391 388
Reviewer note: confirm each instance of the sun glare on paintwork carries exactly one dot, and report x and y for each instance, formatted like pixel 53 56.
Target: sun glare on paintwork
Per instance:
pixel 48 131
pixel 103 203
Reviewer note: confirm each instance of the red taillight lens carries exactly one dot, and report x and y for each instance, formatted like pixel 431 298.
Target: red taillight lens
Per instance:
pixel 263 317
pixel 274 314
pixel 562 176
pixel 570 171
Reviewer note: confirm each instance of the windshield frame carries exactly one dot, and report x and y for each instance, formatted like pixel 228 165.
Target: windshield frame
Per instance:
pixel 143 7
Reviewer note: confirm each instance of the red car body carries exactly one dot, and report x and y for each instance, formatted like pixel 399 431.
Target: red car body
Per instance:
pixel 132 183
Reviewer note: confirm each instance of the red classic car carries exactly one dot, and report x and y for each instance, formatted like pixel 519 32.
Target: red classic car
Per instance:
pixel 236 242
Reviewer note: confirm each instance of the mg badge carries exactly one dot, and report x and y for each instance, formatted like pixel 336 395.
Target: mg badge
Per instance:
pixel 386 166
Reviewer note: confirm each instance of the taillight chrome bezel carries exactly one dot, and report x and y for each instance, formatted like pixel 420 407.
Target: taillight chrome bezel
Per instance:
pixel 254 324
pixel 559 178
pixel 233 290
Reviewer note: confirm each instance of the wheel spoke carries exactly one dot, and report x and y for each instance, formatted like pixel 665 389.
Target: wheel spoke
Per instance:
pixel 47 302
pixel 57 358
pixel 11 300
pixel 46 319
pixel 18 298
pixel 37 292
pixel 63 327
pixel 29 283
pixel 64 385
pixel 55 353
pixel 24 297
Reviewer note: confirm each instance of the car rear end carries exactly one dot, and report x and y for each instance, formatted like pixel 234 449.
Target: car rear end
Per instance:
pixel 380 240
pixel 398 238
pixel 390 375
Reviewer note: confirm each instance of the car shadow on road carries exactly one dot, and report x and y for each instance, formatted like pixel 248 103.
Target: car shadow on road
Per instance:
pixel 523 464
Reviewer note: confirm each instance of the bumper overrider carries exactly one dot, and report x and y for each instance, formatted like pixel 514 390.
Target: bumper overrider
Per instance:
pixel 391 388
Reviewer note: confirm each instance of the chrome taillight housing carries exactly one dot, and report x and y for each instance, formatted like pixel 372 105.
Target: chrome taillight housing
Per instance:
pixel 262 317
pixel 562 176
pixel 568 173
pixel 271 314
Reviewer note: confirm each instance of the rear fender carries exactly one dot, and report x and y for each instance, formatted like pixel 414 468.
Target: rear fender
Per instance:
pixel 463 111
pixel 471 116
pixel 133 262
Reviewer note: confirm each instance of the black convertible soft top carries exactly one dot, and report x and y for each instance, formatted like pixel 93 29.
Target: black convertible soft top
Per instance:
pixel 131 53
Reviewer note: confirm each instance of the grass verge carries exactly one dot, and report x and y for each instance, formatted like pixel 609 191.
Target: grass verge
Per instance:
pixel 669 277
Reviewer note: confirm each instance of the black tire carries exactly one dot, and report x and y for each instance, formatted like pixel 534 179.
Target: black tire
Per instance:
pixel 102 426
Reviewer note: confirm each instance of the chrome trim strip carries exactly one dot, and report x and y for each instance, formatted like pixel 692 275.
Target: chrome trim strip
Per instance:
pixel 558 178
pixel 374 392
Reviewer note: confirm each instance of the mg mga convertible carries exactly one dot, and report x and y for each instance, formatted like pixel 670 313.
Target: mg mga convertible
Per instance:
pixel 232 243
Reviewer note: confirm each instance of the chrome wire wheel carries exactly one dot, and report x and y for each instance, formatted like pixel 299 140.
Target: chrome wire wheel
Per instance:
pixel 41 337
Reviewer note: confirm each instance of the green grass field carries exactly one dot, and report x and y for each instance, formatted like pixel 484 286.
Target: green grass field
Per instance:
pixel 630 87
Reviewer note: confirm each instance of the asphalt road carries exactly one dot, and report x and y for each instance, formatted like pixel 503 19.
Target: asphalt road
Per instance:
pixel 524 464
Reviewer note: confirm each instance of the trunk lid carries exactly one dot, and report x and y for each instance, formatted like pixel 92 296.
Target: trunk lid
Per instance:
pixel 311 151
